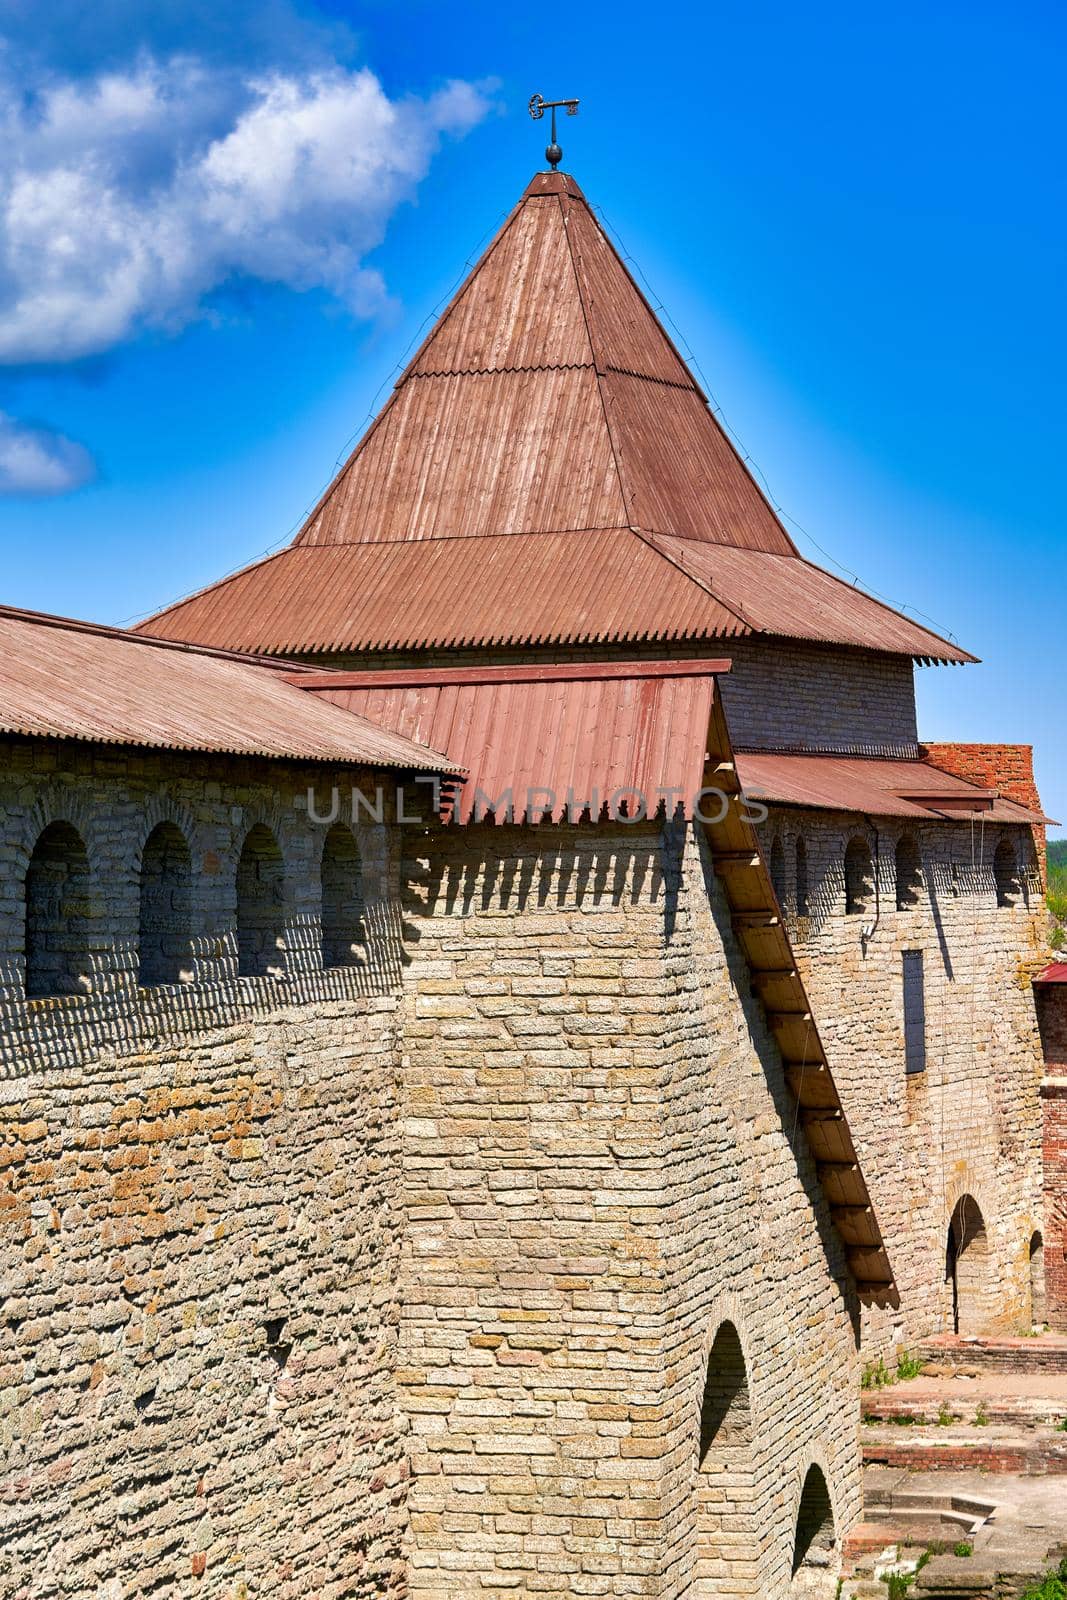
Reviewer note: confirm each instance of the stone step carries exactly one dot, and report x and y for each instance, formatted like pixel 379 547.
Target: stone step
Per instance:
pixel 951 1400
pixel 958 1450
pixel 1046 1352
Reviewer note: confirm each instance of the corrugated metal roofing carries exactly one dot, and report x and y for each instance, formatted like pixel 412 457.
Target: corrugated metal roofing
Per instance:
pixel 547 398
pixel 593 586
pixel 567 588
pixel 879 788
pixel 71 680
pixel 791 597
pixel 543 742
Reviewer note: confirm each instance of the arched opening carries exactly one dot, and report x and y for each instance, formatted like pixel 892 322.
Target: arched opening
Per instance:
pixel 909 873
pixel 859 877
pixel 967 1266
pixel 802 879
pixel 260 906
pixel 1006 874
pixel 58 914
pixel 164 944
pixel 778 869
pixel 725 1484
pixel 1037 1280
pixel 342 899
pixel 815 1538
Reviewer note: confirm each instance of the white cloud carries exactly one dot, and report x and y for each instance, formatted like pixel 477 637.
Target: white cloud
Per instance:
pixel 38 462
pixel 126 199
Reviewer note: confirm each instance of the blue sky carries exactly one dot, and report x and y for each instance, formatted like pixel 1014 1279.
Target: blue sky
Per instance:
pixel 856 219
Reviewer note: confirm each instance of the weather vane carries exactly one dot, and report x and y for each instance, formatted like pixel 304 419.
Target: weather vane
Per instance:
pixel 538 107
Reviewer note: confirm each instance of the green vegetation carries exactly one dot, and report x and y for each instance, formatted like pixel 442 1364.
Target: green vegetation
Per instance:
pixel 963 1549
pixel 1052 1587
pixel 908 1366
pixel 1057 887
pixel 981 1416
pixel 945 1419
pixel 876 1375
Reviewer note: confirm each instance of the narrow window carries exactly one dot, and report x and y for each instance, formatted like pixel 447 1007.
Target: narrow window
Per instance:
pixel 778 869
pixel 859 877
pixel 909 873
pixel 1006 873
pixel 802 879
pixel 166 917
pixel 260 906
pixel 814 1542
pixel 914 1012
pixel 57 914
pixel 342 899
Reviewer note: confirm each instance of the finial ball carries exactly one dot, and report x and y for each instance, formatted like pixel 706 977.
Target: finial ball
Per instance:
pixel 554 155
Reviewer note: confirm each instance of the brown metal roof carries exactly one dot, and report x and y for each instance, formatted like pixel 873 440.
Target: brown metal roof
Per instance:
pixel 70 680
pixel 546 399
pixel 551 738
pixel 879 788
pixel 592 585
pixel 791 597
pixel 1056 973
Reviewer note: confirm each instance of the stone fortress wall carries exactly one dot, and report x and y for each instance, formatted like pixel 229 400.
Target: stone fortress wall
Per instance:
pixel 199 1191
pixel 958 1133
pixel 475 1201
pixel 628 1342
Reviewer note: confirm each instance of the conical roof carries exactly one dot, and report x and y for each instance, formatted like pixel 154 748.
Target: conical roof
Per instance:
pixel 547 463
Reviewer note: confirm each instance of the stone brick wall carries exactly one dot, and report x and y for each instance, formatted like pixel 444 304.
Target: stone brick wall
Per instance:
pixel 602 1168
pixel 967 1128
pixel 199 1223
pixel 784 694
pixel 1007 767
pixel 1052 1015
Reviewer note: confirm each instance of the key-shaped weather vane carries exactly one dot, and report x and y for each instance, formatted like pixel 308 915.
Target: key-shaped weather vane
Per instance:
pixel 538 107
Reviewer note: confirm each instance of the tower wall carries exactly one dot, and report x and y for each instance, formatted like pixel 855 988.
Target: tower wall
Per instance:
pixel 602 1168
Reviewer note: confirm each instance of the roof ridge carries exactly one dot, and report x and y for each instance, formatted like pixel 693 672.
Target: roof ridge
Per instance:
pixel 493 372
pixel 652 540
pixel 107 630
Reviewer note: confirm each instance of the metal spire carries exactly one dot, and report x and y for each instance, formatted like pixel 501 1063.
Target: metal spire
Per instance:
pixel 538 107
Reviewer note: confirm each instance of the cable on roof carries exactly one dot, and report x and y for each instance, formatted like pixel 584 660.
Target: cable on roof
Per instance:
pixel 689 356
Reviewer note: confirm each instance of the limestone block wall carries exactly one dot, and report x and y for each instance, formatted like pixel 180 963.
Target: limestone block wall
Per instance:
pixel 199 1225
pixel 964 1132
pixel 1052 1018
pixel 602 1170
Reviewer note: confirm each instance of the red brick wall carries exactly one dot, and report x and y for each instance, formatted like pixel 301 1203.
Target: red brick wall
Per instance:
pixel 1007 767
pixel 1052 1018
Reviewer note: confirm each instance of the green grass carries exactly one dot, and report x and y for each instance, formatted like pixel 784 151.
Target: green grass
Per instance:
pixel 945 1418
pixel 908 1366
pixel 963 1548
pixel 1052 1587
pixel 876 1375
pixel 981 1416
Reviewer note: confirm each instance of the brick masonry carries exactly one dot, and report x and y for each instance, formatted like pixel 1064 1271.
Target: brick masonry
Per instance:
pixel 1007 767
pixel 471 1211
pixel 1052 1014
pixel 969 1124
pixel 602 1166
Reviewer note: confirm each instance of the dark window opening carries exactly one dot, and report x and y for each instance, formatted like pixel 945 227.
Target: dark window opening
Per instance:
pixel 342 900
pixel 859 878
pixel 260 906
pixel 802 879
pixel 914 1012
pixel 814 1543
pixel 778 870
pixel 166 914
pixel 725 1416
pixel 1006 874
pixel 58 914
pixel 909 874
